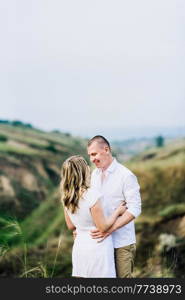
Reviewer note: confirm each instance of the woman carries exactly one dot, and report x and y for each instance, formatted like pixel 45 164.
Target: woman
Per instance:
pixel 83 211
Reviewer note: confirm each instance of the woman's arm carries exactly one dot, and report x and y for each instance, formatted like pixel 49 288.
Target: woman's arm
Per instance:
pixel 69 224
pixel 104 223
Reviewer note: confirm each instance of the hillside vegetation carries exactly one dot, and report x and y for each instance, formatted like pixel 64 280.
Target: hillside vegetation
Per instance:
pixel 30 162
pixel 161 227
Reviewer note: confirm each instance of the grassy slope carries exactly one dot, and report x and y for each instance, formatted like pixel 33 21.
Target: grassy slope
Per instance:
pixel 30 162
pixel 45 235
pixel 161 177
pixel 160 228
pixel 31 141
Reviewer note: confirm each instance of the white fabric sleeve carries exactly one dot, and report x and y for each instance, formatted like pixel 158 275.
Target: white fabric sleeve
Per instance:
pixel 95 195
pixel 131 192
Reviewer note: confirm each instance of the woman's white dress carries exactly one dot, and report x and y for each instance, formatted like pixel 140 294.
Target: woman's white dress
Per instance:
pixel 90 258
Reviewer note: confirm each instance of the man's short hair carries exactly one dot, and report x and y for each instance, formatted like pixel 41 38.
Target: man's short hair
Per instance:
pixel 100 140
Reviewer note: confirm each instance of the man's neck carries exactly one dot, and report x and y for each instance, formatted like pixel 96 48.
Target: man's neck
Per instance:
pixel 108 164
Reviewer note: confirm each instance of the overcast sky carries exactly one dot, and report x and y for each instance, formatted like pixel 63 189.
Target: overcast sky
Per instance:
pixel 81 65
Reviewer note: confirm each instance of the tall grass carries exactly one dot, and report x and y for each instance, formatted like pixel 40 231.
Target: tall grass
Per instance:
pixel 12 234
pixel 56 256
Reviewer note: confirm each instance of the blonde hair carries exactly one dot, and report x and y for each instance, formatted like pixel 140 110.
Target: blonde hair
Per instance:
pixel 75 175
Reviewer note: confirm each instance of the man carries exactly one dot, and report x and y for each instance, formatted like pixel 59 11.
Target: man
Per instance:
pixel 116 183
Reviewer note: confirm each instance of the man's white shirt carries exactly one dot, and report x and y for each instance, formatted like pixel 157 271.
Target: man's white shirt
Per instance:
pixel 119 184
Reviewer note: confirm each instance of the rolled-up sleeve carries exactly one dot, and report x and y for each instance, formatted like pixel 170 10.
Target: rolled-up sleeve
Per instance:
pixel 131 190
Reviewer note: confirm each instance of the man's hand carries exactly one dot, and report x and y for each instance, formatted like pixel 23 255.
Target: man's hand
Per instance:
pixel 96 234
pixel 105 235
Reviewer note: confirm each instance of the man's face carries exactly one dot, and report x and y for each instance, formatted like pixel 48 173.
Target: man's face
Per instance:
pixel 98 154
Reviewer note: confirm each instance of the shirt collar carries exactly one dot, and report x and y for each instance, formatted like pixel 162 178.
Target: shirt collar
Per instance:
pixel 111 168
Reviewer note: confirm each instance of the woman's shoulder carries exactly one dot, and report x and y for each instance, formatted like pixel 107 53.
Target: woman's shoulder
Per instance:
pixel 93 192
pixel 91 196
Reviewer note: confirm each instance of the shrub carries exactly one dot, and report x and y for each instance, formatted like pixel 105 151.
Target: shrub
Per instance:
pixel 51 147
pixel 3 138
pixel 173 211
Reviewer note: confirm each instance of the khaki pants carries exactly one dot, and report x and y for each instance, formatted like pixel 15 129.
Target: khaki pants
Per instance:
pixel 124 260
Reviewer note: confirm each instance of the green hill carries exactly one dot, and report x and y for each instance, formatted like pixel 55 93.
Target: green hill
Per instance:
pixel 30 162
pixel 161 226
pixel 40 237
